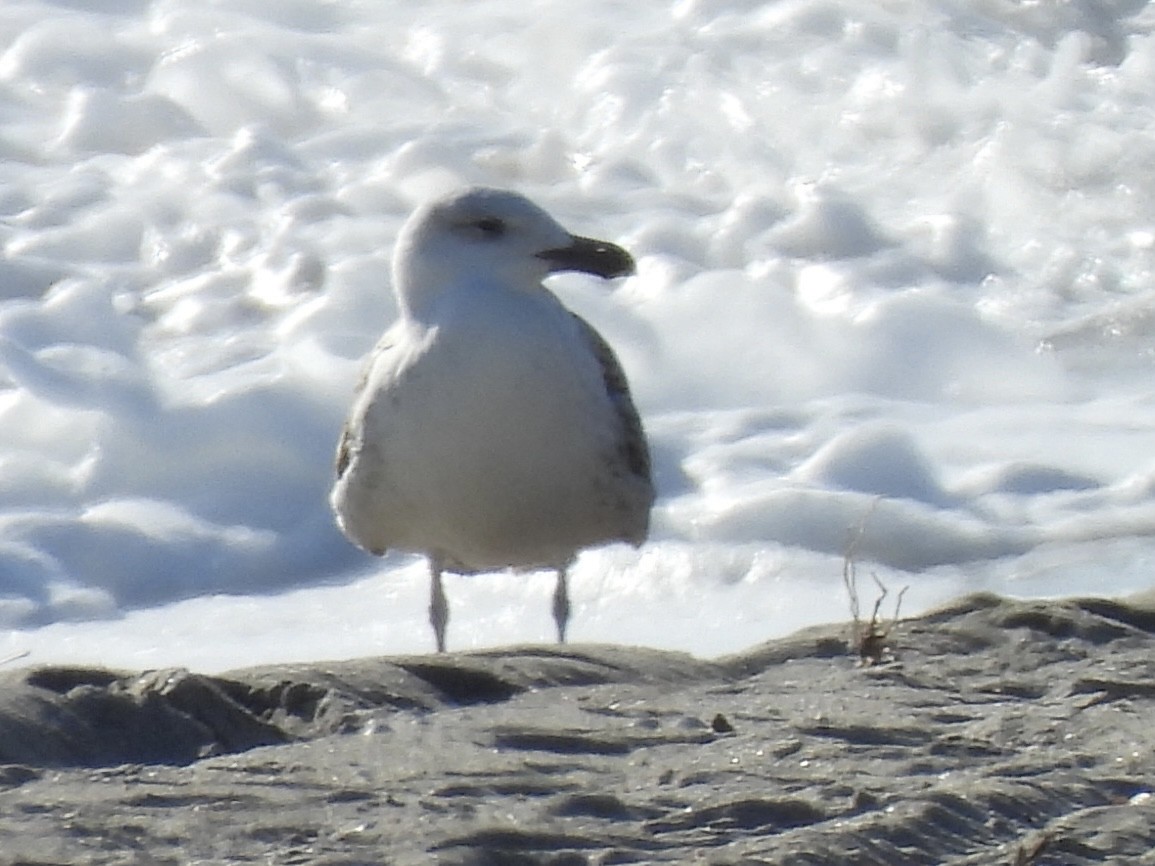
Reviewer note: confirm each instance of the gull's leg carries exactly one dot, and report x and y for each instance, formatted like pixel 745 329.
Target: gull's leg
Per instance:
pixel 561 604
pixel 438 605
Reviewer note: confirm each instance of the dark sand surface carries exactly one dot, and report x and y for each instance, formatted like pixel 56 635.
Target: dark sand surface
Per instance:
pixel 1003 732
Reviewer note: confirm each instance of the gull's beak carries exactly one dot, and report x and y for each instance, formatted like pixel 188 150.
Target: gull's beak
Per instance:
pixel 590 256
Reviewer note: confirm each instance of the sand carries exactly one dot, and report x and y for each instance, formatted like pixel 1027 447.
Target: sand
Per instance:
pixel 1008 732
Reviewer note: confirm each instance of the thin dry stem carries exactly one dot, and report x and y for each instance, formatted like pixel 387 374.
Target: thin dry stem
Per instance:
pixel 15 657
pixel 869 639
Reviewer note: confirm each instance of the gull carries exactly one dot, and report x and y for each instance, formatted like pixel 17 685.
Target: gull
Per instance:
pixel 493 428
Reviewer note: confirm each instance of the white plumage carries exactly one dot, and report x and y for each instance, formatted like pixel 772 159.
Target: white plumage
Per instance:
pixel 493 427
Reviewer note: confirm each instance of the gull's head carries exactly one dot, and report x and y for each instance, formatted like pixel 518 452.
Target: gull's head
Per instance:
pixel 495 237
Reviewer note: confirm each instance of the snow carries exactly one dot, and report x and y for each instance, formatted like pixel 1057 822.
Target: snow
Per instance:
pixel 895 283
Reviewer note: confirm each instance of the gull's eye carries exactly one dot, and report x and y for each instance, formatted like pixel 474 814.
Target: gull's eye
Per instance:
pixel 491 227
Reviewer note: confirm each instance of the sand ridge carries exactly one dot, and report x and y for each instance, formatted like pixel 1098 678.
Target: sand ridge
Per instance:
pixel 1003 732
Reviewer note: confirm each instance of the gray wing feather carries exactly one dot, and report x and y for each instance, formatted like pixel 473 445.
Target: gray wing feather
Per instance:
pixel 347 443
pixel 633 448
pixel 344 450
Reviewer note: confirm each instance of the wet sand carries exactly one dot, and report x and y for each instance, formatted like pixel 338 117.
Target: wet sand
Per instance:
pixel 1001 732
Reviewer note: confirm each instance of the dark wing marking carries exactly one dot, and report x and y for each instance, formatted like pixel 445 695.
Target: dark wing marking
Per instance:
pixel 344 448
pixel 346 445
pixel 634 450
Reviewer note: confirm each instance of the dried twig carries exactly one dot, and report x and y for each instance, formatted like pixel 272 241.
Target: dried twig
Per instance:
pixel 15 657
pixel 870 639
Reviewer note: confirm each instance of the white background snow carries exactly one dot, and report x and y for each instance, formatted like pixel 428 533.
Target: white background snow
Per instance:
pixel 895 277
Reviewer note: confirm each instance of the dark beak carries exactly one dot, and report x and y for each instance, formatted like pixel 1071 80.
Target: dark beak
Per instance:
pixel 590 256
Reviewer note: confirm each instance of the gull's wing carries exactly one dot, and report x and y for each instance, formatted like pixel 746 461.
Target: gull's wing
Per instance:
pixel 347 442
pixel 633 449
pixel 343 452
